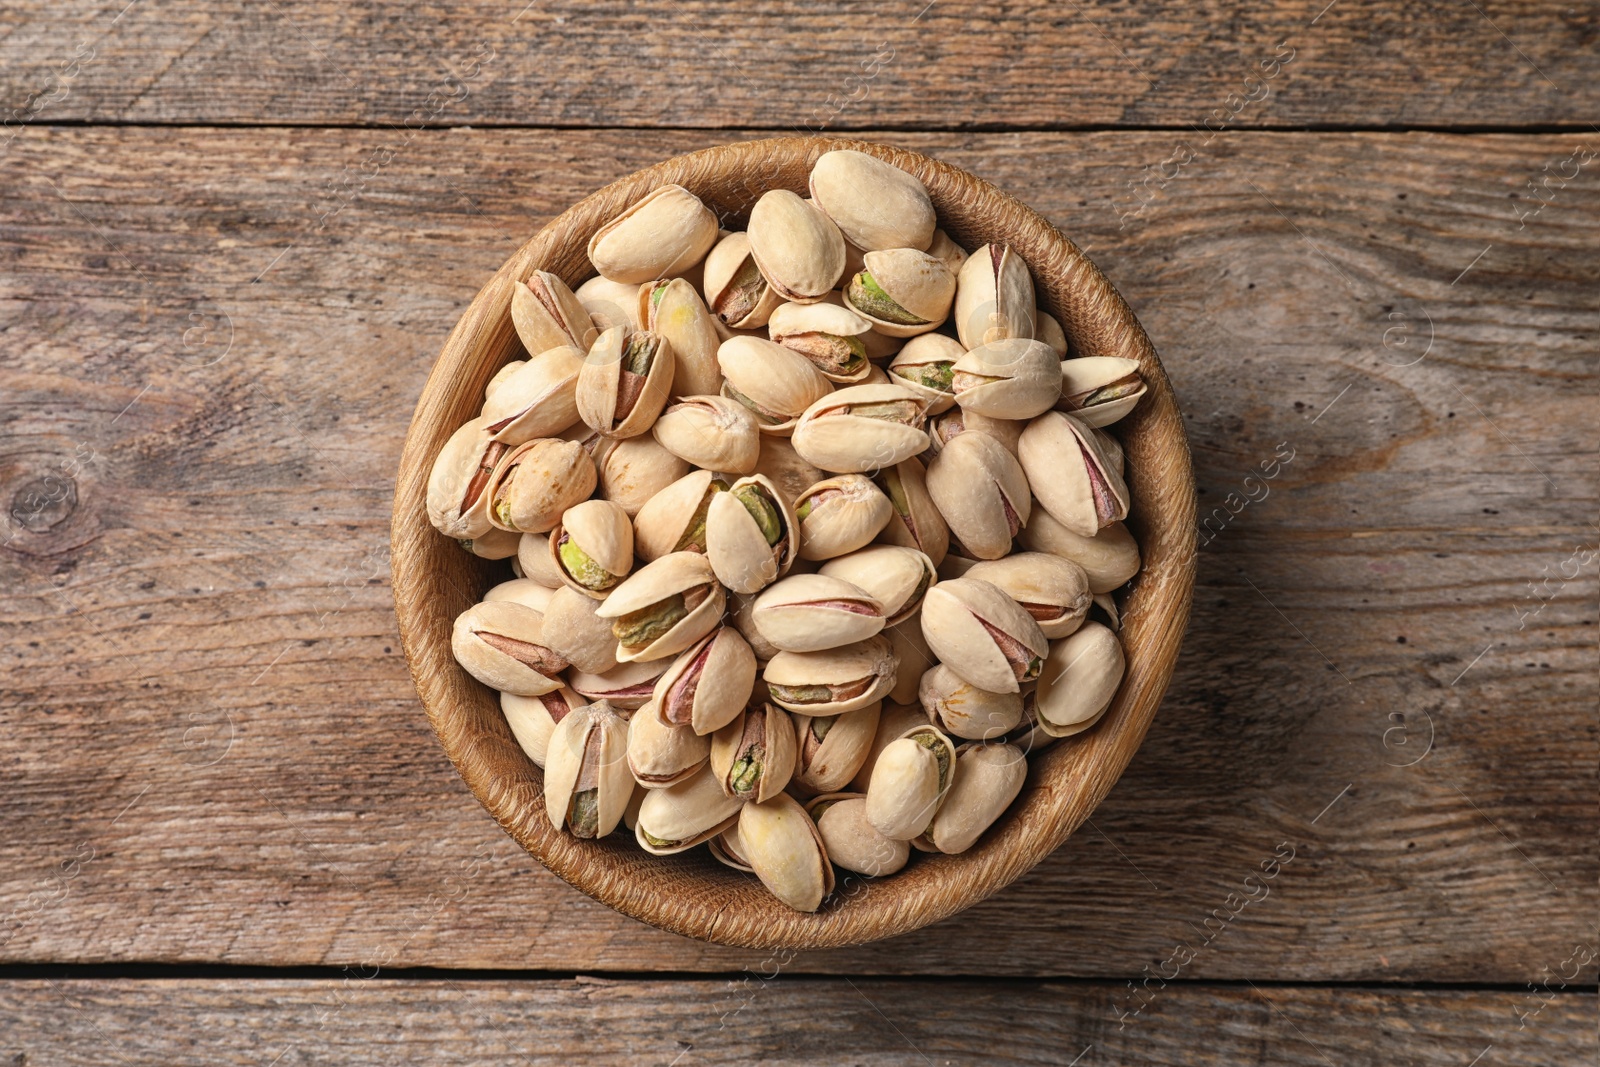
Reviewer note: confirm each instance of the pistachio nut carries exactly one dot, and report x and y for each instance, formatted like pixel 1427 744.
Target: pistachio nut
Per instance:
pixel 610 303
pixel 902 292
pixel 1099 390
pixel 661 754
pixel 811 612
pixel 926 366
pixel 501 645
pixel 627 686
pixel 1047 328
pixel 586 781
pixel 830 335
pixel 539 400
pixel 830 750
pixel 549 315
pixel 862 428
pixel 774 382
pixel 839 515
pixel 988 779
pixel 458 485
pixel 798 249
pixel 832 681
pixel 674 520
pixel 954 256
pixel 1055 591
pixel 850 840
pixel 740 616
pixel 983 635
pixel 894 722
pixel 664 607
pixel 492 544
pixel 910 779
pixel 1071 475
pixel 592 547
pixel 736 292
pixel 913 655
pixel 780 463
pixel 875 204
pixel 982 493
pixel 994 297
pixel 524 591
pixel 574 630
pixel 625 381
pixel 726 848
pixel 673 310
pixel 750 536
pixel 896 576
pixel 685 814
pixel 534 719
pixel 960 708
pixel 665 232
pixel 536 482
pixel 711 432
pixel 709 684
pixel 1110 557
pixel 501 375
pixel 783 847
pixel 753 756
pixel 1015 378
pixel 533 556
pixel 955 422
pixel 634 469
pixel 917 523
pixel 1079 678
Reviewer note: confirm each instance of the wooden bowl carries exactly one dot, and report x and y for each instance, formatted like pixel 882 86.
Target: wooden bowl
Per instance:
pixel 691 894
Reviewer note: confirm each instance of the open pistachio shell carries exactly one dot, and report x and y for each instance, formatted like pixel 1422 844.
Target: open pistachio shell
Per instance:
pixel 673 310
pixel 1055 591
pixel 539 400
pixel 458 485
pixel 625 381
pixel 533 556
pixel 875 204
pixel 1012 379
pixel 894 721
pixel 664 607
pixel 830 335
pixel 862 428
pixel 797 248
pixel 982 493
pixel 685 814
pixel 832 681
pixel 750 535
pixel 634 469
pixel 1079 678
pixel 956 421
pixel 994 297
pixel 983 635
pixel 752 756
pixel 830 750
pixel 783 847
pixel 954 256
pixel 895 575
pixel 666 232
pixel 925 366
pixel 839 515
pixel 811 612
pixel 711 432
pixel 549 315
pixel 912 654
pixel 709 684
pixel 1047 328
pixel 586 781
pixel 574 630
pixel 592 547
pixel 674 519
pixel 902 292
pixel 501 375
pixel 774 382
pixel 851 841
pixel 534 719
pixel 661 754
pixel 962 709
pixel 536 482
pixel 610 303
pixel 917 522
pixel 1099 390
pixel 627 686
pixel 1110 557
pixel 909 781
pixel 1071 475
pixel 736 292
pixel 988 779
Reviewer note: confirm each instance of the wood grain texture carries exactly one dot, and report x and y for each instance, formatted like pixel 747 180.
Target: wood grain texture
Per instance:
pixel 805 66
pixel 207 720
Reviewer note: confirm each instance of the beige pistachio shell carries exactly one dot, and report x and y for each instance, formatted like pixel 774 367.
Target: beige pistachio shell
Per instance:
pixel 942 246
pixel 830 750
pixel 910 779
pixel 673 520
pixel 783 847
pixel 1012 379
pixel 912 654
pixel 1111 448
pixel 627 686
pixel 633 470
pixel 630 814
pixel 812 612
pixel 673 310
pixel 736 292
pixel 902 292
pixel 1106 604
pixel 862 428
pixel 753 756
pixel 894 721
pixel 661 754
pixel 549 315
pixel 1080 676
pixel 610 303
pixel 534 719
pixel 533 556
pixel 1047 328
pixel 1071 475
pixel 983 635
pixel 625 381
pixel 501 645
pixel 1055 591
pixel 994 297
pixel 666 232
pixel 592 547
pixel 458 485
pixel 522 591
pixel 501 375
pixel 492 544
pixel 839 515
pixel 832 681
pixel 741 618
pixel 539 400
pixel 711 432
pixel 664 607
pixel 586 781
pixel 798 248
pixel 981 492
pixel 1099 390
pixel 684 814
pixel 774 382
pixel 875 204
pixel 1110 557
pixel 988 779
pixel 574 630
pixel 750 535
pixel 893 574
pixel 955 422
pixel 537 482
pixel 850 839
pixel 917 522
pixel 925 366
pixel 782 465
pixel 708 685
pixel 830 335
pixel 727 849
pixel 962 709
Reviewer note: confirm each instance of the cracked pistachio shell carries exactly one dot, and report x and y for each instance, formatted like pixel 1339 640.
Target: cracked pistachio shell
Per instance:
pixel 674 520
pixel 875 204
pixel 960 708
pixel 664 607
pixel 913 655
pixel 549 315
pixel 665 232
pixel 492 544
pixel 533 556
pixel 536 482
pixel 830 335
pixel 774 382
pixel 711 432
pixel 539 400
pixel 902 292
pixel 1110 557
pixel 458 485
pixel 1112 448
pixel 830 750
pixel 917 523
pixel 982 493
pixel 851 841
pixel 1010 379
pixel 1099 390
pixel 574 630
pixel 661 754
pixel 896 576
pixel 994 297
pixel 501 375
pixel 672 309
pixel 592 547
pixel 684 814
pixel 610 303
pixel 945 248
pixel 1071 475
pixel 709 684
pixel 625 381
pixel 983 635
pixel 752 757
pixel 1080 677
pixel 955 422
pixel 586 781
pixel 862 428
pixel 925 366
pixel 742 619
pixel 1055 591
pixel 736 292
pixel 894 721
pixel 522 591
pixel 501 644
pixel 727 849
pixel 798 249
pixel 784 467
pixel 750 536
pixel 627 686
pixel 534 719
pixel 783 847
pixel 634 469
pixel 839 515
pixel 909 781
pixel 811 612
pixel 832 681
pixel 988 779
pixel 1047 328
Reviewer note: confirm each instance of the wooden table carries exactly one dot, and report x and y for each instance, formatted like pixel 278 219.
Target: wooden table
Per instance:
pixel 1366 241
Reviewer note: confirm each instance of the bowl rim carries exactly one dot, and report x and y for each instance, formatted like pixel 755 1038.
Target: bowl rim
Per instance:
pixel 1065 783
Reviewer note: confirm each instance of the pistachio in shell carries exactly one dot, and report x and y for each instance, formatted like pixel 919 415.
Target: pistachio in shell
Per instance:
pixel 798 249
pixel 774 382
pixel 625 381
pixel 830 750
pixel 909 781
pixel 893 574
pixel 539 400
pixel 501 644
pixel 753 755
pixel 1110 557
pixel 685 814
pixel 917 522
pixel 708 684
pixel 830 335
pixel 1016 378
pixel 926 366
pixel 902 292
pixel 674 519
pixel 671 309
pixel 664 607
pixel 458 485
pixel 536 482
pixel 736 292
pixel 666 232
pixel 634 469
pixel 1071 474
pixel 983 635
pixel 533 556
pixel 783 847
pixel 592 547
pixel 981 492
pixel 627 686
pixel 1079 678
pixel 994 297
pixel 988 778
pixel 586 781
pixel 851 840
pixel 750 535
pixel 533 719
pixel 862 428
pixel 812 612
pixel 549 315
pixel 961 709
pixel 1099 390
pixel 711 432
pixel 574 630
pixel 661 754
pixel 1047 328
pixel 894 721
pixel 875 204
pixel 1054 590
pixel 839 515
pixel 832 681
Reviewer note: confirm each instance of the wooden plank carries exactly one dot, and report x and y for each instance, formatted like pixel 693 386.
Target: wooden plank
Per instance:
pixel 753 1019
pixel 835 65
pixel 211 750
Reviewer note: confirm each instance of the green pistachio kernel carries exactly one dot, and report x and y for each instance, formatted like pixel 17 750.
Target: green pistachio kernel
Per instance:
pixel 638 628
pixel 655 301
pixel 746 772
pixel 821 726
pixel 636 360
pixel 866 294
pixel 896 491
pixel 583 569
pixel 941 753
pixel 1035 665
pixel 694 535
pixel 803 512
pixel 761 413
pixel 932 375
pixel 656 841
pixel 761 509
pixel 801 694
pixel 583 814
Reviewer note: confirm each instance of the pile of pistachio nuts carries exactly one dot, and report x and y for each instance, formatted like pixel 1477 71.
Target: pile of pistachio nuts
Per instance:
pixel 815 528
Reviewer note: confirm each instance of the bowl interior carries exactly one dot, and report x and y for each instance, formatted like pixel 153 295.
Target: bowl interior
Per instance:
pixel 690 893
